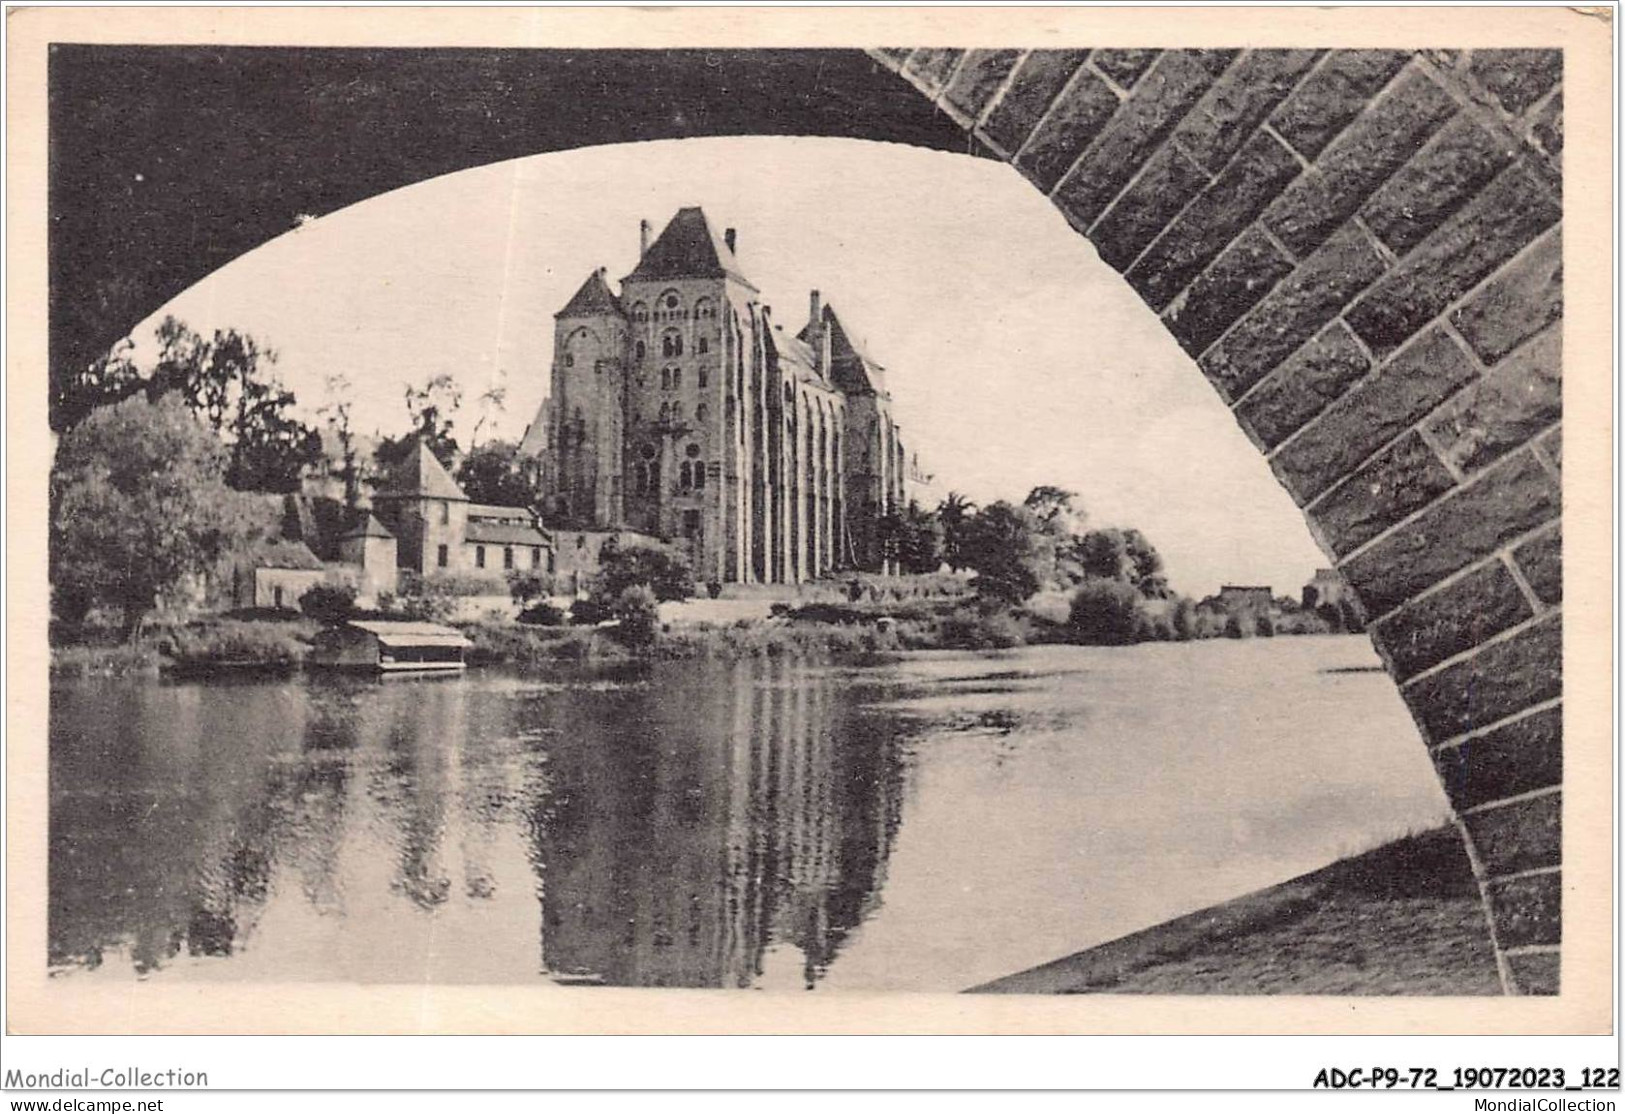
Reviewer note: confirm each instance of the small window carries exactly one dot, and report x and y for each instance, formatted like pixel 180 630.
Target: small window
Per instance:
pixel 569 359
pixel 699 475
pixel 692 451
pixel 671 301
pixel 641 349
pixel 581 541
pixel 665 378
pixel 479 557
pixel 685 475
pixel 705 346
pixel 535 556
pixel 704 378
pixel 691 523
pixel 507 556
pixel 441 556
pixel 445 514
pixel 276 597
pixel 676 378
pixel 702 412
pixel 552 565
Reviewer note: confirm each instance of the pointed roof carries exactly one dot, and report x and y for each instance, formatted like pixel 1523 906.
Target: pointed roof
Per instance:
pixel 689 248
pixel 594 299
pixel 420 476
pixel 854 369
pixel 367 526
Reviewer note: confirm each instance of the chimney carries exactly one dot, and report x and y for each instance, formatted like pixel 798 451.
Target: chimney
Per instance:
pixel 730 238
pixel 643 238
pixel 815 311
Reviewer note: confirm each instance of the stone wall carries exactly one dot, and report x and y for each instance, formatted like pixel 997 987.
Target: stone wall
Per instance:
pixel 1361 251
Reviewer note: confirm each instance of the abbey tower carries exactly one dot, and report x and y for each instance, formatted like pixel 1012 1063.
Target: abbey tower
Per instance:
pixel 680 409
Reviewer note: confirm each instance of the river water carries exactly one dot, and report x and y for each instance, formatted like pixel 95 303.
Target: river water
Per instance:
pixel 929 823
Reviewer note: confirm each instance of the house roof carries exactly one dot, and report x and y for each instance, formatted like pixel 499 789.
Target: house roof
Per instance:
pixel 593 299
pixel 504 533
pixel 795 353
pixel 392 633
pixel 848 355
pixel 689 247
pixel 367 526
pixel 492 510
pixel 280 553
pixel 420 476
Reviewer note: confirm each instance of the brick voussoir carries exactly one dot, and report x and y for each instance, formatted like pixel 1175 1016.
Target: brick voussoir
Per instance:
pixel 1334 94
pixel 1234 282
pixel 1297 308
pixel 1494 681
pixel 1470 246
pixel 1524 834
pixel 1394 483
pixel 1527 909
pixel 1402 391
pixel 1314 377
pixel 1071 123
pixel 1238 103
pixel 1516 757
pixel 1452 620
pixel 1213 220
pixel 1500 506
pixel 1037 81
pixel 1159 101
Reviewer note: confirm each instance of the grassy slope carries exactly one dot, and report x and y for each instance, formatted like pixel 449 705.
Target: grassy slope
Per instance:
pixel 1404 919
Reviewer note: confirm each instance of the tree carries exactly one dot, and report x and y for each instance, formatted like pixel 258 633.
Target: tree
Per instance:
pixel 913 538
pixel 228 381
pixel 638 614
pixel 1186 623
pixel 1145 565
pixel 489 474
pixel 492 400
pixel 110 379
pixel 1104 555
pixel 1106 613
pixel 328 603
pixel 1053 512
pixel 953 515
pixel 430 410
pixel 663 572
pixel 139 504
pixel 999 545
pixel 338 411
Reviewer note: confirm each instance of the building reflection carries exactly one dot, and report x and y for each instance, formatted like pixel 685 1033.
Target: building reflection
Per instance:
pixel 697 826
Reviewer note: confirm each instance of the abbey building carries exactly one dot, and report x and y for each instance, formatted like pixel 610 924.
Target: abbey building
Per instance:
pixel 681 409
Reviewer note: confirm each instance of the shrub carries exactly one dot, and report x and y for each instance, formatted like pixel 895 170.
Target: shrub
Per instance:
pixel 713 588
pixel 452 584
pixel 665 573
pixel 1233 627
pixel 638 612
pixel 543 614
pixel 1264 626
pixel 328 603
pixel 1184 620
pixel 529 585
pixel 1105 613
pixel 234 643
pixel 588 612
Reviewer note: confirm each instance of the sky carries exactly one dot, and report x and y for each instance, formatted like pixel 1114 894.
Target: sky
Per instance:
pixel 1014 355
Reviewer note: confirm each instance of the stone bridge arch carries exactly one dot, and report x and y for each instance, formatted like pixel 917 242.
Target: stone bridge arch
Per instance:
pixel 1359 249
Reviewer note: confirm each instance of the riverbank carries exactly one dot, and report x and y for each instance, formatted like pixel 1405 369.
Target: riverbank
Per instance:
pixel 1402 919
pixel 932 617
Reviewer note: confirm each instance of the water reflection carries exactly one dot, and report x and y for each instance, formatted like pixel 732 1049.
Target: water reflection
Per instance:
pixel 662 829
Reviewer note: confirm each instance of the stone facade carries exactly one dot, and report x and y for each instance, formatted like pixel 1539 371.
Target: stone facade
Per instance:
pixel 1361 251
pixel 681 410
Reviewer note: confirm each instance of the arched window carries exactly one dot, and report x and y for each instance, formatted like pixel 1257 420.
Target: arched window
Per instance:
pixel 677 412
pixel 702 413
pixel 671 344
pixel 676 378
pixel 569 359
pixel 699 475
pixel 640 313
pixel 685 475
pixel 665 411
pixel 704 345
pixel 789 394
pixel 640 348
pixel 665 378
pixel 704 378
